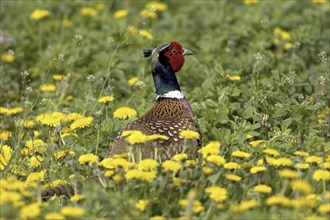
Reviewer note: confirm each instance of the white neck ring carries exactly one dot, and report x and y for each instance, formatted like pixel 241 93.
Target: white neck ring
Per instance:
pixel 176 94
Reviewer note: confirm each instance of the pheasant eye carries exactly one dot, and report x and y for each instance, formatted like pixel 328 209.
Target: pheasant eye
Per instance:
pixel 174 51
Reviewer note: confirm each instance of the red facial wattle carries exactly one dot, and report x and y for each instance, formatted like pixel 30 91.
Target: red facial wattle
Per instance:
pixel 175 56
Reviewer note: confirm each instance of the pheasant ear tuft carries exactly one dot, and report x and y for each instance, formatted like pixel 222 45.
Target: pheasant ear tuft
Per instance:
pixel 147 52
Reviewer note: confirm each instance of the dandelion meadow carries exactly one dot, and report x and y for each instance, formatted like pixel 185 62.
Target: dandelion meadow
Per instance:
pixel 73 75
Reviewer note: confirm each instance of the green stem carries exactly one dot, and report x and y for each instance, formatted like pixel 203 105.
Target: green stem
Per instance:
pixel 40 36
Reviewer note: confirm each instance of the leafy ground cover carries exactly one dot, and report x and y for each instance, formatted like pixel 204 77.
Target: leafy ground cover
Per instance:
pixel 73 75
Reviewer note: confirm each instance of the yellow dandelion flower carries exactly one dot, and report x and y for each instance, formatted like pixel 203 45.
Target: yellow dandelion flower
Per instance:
pixel 5 156
pixel 8 58
pixel 217 193
pixel 177 181
pixel 54 215
pixel 124 113
pixel 74 116
pixel 172 166
pixel 59 77
pixel 257 169
pixel 109 173
pixel 271 152
pixel 190 163
pixel 302 166
pixel 35 161
pixel 324 208
pixel 81 122
pixel 39 14
pixel 233 78
pixel 257 143
pixel 133 81
pixel 77 198
pixel 26 123
pixel 260 162
pixel 278 200
pixel 187 134
pixel 130 132
pixel 88 11
pixel 240 154
pixel 69 98
pixel 157 5
pixel 36 133
pixel 142 204
pixel 4 110
pixel 10 111
pixel 197 206
pixel 180 157
pixel 137 138
pixel 47 88
pixel 285 35
pixel 244 206
pixel 5 135
pixel 207 170
pixel 148 13
pixel 30 211
pixel 114 163
pixel 250 2
pixel 301 153
pixel 60 154
pixel 326 165
pixel 301 186
pixel 146 34
pixel 36 145
pixel 48 119
pixel 66 23
pixel 120 14
pixel 319 1
pixel 212 148
pixel 262 188
pixel 233 177
pixel 313 159
pixel 117 178
pixel 216 159
pixel 148 164
pixel 154 137
pixel 35 177
pixel 314 217
pixel 313 197
pixel 321 175
pixel 248 136
pixel 106 99
pixel 288 46
pixel 147 176
pixel 157 217
pixel 88 158
pixel 286 173
pixel 72 212
pixel 58 182
pixel 283 161
pixel 231 166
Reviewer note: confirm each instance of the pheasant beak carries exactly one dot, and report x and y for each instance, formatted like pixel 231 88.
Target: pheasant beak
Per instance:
pixel 187 52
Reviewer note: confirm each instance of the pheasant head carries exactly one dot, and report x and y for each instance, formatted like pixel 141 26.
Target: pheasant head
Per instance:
pixel 166 60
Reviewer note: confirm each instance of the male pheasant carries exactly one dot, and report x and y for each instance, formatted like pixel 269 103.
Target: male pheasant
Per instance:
pixel 170 114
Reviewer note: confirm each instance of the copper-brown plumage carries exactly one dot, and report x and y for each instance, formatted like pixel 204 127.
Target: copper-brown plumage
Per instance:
pixel 167 117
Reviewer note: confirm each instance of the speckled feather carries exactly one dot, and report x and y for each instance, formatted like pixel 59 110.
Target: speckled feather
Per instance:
pixel 61 190
pixel 168 117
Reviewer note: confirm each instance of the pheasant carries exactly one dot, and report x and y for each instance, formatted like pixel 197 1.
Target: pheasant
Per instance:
pixel 170 114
